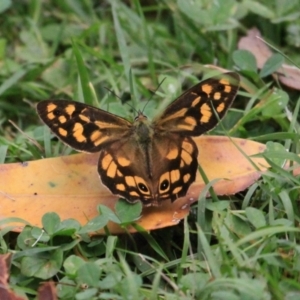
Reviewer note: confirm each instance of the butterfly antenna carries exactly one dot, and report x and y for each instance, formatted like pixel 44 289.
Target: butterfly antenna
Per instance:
pixel 153 94
pixel 121 99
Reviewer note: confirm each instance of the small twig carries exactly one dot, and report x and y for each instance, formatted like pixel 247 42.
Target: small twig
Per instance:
pixel 33 141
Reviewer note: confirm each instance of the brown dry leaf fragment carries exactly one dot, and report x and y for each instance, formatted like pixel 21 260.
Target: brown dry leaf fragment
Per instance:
pixel 256 46
pixel 287 74
pixel 5 292
pixel 70 185
pixel 47 291
pixel 4 262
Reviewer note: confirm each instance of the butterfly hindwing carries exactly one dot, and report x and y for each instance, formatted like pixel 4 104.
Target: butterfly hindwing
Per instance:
pixel 83 127
pixel 200 108
pixel 151 176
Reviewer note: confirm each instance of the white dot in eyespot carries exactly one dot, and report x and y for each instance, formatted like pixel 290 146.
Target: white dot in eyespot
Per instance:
pixel 191 199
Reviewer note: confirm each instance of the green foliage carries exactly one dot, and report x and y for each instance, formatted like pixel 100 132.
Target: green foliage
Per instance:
pixel 243 247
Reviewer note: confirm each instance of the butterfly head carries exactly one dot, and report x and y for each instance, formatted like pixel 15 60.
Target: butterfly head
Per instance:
pixel 140 117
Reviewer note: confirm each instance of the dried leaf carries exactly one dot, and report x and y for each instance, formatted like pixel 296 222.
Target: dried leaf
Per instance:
pixel 287 74
pixel 256 46
pixel 47 291
pixel 4 261
pixel 70 185
pixel 5 292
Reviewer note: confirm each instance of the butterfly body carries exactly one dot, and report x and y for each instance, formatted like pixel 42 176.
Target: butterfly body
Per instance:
pixel 148 161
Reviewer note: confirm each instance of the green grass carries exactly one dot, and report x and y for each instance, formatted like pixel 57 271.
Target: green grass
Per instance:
pixel 247 246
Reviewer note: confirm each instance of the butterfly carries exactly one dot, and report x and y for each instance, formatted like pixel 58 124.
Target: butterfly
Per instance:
pixel 143 160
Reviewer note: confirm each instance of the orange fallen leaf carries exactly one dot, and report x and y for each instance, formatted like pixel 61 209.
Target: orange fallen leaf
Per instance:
pixel 70 185
pixel 287 74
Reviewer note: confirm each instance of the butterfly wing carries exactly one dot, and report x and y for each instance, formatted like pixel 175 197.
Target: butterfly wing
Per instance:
pixel 201 107
pixel 175 164
pixel 83 127
pixel 142 161
pixel 162 170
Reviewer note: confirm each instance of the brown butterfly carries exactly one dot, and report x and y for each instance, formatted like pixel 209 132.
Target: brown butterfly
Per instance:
pixel 150 161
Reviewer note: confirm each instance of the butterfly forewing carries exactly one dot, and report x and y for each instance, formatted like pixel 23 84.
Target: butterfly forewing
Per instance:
pixel 83 127
pixel 199 109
